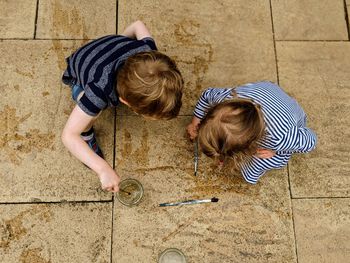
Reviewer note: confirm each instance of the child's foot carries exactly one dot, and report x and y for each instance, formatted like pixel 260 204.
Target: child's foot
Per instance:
pixel 90 139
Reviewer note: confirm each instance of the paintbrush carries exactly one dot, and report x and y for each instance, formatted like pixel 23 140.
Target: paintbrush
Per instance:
pixel 196 158
pixel 191 202
pixel 122 190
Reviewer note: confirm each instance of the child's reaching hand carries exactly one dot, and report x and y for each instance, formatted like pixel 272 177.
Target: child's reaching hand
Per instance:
pixel 109 180
pixel 192 128
pixel 77 122
pixel 192 131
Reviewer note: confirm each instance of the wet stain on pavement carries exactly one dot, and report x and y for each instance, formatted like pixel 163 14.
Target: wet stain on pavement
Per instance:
pixel 58 49
pixel 127 145
pixel 14 143
pixel 186 33
pixel 32 256
pixel 96 249
pixel 139 155
pixel 68 22
pixel 13 229
pixel 212 180
pixel 25 74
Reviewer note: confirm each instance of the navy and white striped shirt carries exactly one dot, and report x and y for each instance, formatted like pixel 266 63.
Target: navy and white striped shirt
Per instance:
pixel 285 121
pixel 94 67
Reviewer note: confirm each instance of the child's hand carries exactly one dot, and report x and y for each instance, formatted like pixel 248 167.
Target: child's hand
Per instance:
pixel 265 153
pixel 192 131
pixel 109 181
pixel 192 128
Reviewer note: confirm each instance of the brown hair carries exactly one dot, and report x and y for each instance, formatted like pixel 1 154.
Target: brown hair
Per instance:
pixel 232 129
pixel 151 84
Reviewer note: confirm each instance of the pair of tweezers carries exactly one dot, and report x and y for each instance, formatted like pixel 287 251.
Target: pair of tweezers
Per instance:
pixel 196 158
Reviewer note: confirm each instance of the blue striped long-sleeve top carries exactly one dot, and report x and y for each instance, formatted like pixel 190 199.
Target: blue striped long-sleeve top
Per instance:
pixel 286 132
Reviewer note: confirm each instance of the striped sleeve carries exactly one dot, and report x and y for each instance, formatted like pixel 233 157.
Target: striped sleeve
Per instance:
pixel 209 98
pixel 93 100
pixel 255 167
pixel 250 173
pixel 150 42
pixel 298 140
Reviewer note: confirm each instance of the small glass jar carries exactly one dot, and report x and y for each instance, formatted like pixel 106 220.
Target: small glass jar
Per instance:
pixel 172 255
pixel 130 192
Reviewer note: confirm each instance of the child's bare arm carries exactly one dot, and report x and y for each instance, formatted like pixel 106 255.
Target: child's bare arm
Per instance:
pixel 137 30
pixel 77 122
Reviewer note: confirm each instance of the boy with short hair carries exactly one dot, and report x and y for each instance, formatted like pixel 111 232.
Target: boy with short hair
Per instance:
pixel 125 68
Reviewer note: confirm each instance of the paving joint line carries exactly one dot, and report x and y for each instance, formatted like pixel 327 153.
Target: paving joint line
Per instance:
pixel 38 39
pixel 114 145
pixel 36 18
pixel 113 199
pixel 346 19
pixel 292 210
pixel 89 39
pixel 320 197
pixel 288 174
pixel 312 40
pixel 116 16
pixel 58 39
pixel 112 232
pixel 274 42
pixel 56 202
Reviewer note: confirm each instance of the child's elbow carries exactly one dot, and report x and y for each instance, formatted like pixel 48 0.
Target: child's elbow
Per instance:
pixel 65 137
pixel 314 143
pixel 311 144
pixel 139 23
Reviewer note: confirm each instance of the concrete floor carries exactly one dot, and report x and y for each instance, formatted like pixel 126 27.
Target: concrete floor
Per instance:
pixel 51 206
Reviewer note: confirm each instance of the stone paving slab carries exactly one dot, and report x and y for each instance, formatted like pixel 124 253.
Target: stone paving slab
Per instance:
pixel 322 229
pixel 309 20
pixel 248 224
pixel 35 166
pixel 317 75
pixel 77 19
pixel 214 44
pixel 45 233
pixel 17 18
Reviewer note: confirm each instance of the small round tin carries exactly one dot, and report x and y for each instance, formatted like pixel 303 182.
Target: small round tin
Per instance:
pixel 130 192
pixel 172 255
